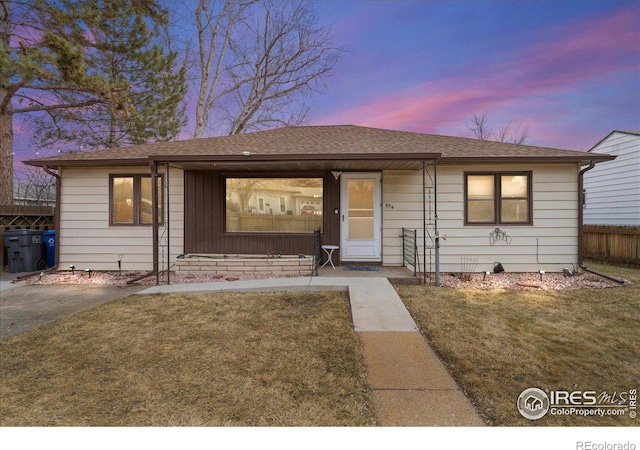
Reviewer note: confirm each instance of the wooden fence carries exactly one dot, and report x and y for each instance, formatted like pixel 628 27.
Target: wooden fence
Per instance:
pixel 256 223
pixel 612 244
pixel 19 217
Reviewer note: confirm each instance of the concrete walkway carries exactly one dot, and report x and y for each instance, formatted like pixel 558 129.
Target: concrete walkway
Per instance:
pixel 23 307
pixel 410 385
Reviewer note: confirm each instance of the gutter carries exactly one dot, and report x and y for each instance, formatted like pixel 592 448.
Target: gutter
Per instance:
pixel 56 211
pixel 326 157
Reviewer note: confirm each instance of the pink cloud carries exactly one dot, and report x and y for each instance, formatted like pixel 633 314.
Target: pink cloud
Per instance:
pixel 567 56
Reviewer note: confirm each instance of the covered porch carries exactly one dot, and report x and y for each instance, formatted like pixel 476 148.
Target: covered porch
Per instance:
pixel 219 221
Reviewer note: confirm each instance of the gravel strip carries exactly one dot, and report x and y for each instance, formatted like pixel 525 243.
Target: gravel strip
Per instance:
pixel 519 281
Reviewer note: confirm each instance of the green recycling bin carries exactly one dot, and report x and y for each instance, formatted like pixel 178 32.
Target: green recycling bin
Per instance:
pixel 24 250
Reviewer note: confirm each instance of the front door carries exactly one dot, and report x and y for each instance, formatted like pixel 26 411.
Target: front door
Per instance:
pixel 360 218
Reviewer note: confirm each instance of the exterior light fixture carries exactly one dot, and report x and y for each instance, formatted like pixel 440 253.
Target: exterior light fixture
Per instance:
pixel 541 273
pixel 73 268
pixel 88 272
pixel 486 274
pixel 246 153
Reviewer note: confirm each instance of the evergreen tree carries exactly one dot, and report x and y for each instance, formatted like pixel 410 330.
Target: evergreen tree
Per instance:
pixel 149 84
pixel 79 63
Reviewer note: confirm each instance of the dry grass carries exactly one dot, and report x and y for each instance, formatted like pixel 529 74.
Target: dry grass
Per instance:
pixel 190 360
pixel 498 343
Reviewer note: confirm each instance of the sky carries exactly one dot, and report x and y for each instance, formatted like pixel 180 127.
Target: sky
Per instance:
pixel 569 71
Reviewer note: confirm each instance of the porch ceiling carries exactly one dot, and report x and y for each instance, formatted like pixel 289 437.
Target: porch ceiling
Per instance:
pixel 307 165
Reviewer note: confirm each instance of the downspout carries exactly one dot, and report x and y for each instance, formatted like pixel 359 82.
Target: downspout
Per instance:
pixel 581 226
pixel 56 211
pixel 592 164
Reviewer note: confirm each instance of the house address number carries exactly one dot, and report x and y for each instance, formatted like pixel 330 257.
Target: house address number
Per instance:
pixel 388 206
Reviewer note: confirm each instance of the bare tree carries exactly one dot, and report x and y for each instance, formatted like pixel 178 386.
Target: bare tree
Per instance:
pixel 33 186
pixel 244 188
pixel 286 59
pixel 215 21
pixel 517 135
pixel 259 62
pixel 479 126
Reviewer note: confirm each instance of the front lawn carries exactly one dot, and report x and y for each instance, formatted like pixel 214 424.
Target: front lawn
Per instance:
pixel 498 343
pixel 286 359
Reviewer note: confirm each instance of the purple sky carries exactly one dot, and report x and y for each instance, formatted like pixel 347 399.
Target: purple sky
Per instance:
pixel 569 70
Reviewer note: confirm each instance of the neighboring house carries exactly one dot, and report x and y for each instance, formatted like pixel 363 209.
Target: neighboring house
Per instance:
pixel 612 189
pixel 30 194
pixel 360 185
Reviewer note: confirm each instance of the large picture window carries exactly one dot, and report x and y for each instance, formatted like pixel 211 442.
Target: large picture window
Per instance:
pixel 502 198
pixel 273 205
pixel 131 200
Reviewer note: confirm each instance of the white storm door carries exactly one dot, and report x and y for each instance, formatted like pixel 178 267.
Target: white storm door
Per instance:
pixel 360 217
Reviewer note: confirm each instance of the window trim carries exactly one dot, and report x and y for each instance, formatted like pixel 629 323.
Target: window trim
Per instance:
pixel 223 192
pixel 498 197
pixel 137 200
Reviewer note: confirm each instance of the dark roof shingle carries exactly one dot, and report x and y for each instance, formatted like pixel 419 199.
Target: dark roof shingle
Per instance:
pixel 322 142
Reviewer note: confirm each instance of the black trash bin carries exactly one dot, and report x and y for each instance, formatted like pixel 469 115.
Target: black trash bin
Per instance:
pixel 24 250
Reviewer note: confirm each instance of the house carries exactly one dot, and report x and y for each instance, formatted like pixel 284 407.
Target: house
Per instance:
pixel 265 192
pixel 612 189
pixel 32 194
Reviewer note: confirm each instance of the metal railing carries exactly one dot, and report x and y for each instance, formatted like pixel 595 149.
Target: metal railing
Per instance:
pixel 317 251
pixel 410 249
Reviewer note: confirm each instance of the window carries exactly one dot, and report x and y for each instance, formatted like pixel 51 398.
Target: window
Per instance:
pixel 131 200
pixel 283 204
pixel 498 198
pixel 273 205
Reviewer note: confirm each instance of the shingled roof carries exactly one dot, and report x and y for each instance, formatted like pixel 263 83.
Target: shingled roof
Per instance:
pixel 309 143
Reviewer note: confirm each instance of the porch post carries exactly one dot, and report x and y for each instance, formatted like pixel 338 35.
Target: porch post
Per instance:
pixel 154 216
pixel 435 221
pixel 166 180
pixel 424 223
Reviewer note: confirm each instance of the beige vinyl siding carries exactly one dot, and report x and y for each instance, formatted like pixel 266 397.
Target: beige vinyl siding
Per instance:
pixel 613 187
pixel 86 239
pixel 555 219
